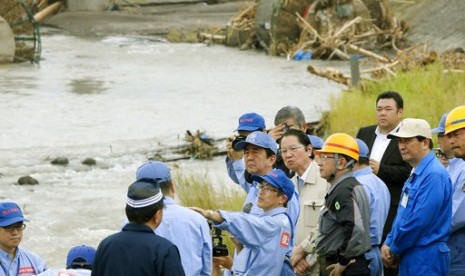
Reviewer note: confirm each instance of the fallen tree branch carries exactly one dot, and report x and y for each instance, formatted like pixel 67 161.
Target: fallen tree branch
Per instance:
pixel 331 74
pixel 308 26
pixel 368 53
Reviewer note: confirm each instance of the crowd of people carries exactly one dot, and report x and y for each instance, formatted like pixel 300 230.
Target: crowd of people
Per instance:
pixel 385 202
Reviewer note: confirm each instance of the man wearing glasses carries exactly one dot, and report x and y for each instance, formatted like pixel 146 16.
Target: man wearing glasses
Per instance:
pixel 344 224
pixel 266 239
pixel 16 260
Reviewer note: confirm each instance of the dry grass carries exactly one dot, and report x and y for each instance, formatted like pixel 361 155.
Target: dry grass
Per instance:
pixel 196 189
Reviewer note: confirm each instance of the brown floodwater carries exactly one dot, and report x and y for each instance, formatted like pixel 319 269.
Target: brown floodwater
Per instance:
pixel 116 99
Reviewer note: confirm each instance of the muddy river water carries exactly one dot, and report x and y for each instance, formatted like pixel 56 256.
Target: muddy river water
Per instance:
pixel 114 99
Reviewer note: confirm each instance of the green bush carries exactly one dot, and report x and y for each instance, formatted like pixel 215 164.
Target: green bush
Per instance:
pixel 427 92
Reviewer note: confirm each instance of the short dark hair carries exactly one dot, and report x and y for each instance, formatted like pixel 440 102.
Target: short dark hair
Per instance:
pixel 80 263
pixel 165 186
pixel 364 160
pixel 421 139
pixel 391 95
pixel 301 136
pixel 144 214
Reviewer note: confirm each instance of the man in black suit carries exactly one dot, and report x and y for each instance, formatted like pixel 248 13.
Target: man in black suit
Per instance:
pixel 385 159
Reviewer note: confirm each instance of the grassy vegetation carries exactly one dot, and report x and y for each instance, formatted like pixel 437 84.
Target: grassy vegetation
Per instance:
pixel 196 189
pixel 427 92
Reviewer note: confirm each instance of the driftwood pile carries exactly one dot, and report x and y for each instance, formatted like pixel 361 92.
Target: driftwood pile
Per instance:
pixel 408 59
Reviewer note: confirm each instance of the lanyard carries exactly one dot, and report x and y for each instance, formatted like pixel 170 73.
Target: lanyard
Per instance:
pixel 7 272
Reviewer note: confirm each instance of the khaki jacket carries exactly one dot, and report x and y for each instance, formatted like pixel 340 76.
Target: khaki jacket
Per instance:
pixel 312 199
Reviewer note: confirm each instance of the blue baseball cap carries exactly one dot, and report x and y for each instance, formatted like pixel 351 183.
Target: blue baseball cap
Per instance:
pixel 260 139
pixel 442 125
pixel 251 122
pixel 81 255
pixel 10 213
pixel 316 142
pixel 154 170
pixel 277 178
pixel 363 148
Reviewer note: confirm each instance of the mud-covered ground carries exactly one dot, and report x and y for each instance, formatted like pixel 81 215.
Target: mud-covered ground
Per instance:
pixel 147 20
pixel 438 22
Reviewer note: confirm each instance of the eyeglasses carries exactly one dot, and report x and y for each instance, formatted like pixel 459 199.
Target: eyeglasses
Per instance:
pixel 323 158
pixel 440 154
pixel 267 188
pixel 15 226
pixel 291 149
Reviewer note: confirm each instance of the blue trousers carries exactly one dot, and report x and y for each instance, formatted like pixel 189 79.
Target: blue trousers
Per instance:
pixel 456 245
pixel 431 260
pixel 376 264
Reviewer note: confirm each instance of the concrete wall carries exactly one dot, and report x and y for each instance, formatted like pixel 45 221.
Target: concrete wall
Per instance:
pixel 86 5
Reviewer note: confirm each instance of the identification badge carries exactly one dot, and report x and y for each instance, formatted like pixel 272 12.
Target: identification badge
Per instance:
pixel 404 200
pixel 285 238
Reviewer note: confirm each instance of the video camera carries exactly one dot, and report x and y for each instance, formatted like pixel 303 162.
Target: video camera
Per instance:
pixel 237 139
pixel 219 248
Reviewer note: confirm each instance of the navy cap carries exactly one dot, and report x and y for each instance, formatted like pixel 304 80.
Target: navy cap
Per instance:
pixel 316 142
pixel 154 170
pixel 251 122
pixel 144 192
pixel 260 139
pixel 81 255
pixel 363 148
pixel 442 125
pixel 277 178
pixel 10 213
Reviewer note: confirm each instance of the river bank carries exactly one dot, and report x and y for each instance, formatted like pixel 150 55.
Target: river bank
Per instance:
pixel 437 23
pixel 153 20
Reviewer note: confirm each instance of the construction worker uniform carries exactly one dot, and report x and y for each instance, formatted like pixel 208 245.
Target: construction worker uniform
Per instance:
pixel 190 232
pixel 23 263
pixel 422 225
pixel 344 227
pixel 266 239
pixel 380 201
pixel 456 243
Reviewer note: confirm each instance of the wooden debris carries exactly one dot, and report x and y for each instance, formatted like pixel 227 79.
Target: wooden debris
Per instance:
pixel 212 38
pixel 368 53
pixel 49 10
pixel 331 74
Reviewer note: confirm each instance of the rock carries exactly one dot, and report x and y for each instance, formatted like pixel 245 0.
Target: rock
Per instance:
pixel 27 180
pixel 89 161
pixel 60 161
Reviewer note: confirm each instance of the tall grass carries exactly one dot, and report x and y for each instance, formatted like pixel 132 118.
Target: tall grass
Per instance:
pixel 195 189
pixel 427 92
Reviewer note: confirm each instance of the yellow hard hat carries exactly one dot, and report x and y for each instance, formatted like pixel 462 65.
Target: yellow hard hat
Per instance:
pixel 455 119
pixel 341 143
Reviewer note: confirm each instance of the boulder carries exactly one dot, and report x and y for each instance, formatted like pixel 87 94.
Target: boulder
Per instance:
pixel 60 161
pixel 27 180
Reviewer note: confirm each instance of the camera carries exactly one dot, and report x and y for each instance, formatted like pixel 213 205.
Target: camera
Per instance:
pixel 285 128
pixel 219 248
pixel 237 139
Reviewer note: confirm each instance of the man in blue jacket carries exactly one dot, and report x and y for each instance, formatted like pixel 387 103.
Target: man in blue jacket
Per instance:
pixel 188 230
pixel 266 238
pixel 137 250
pixel 418 239
pixel 14 259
